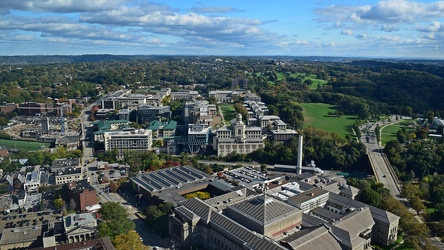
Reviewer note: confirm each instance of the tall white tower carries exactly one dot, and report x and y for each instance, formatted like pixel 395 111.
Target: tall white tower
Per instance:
pixel 299 165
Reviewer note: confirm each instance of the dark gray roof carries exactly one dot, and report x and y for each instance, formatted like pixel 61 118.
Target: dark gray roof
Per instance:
pixel 377 214
pixel 66 163
pixel 246 237
pixel 318 238
pixel 308 195
pixel 264 209
pixel 310 221
pixel 222 201
pixel 349 227
pixel 221 185
pixel 199 208
pixel 169 178
pixel 21 234
pixel 325 213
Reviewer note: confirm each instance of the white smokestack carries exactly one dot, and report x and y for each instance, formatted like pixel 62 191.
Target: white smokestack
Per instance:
pixel 299 166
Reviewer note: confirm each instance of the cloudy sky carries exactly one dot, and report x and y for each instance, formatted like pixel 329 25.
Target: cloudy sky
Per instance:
pixel 390 28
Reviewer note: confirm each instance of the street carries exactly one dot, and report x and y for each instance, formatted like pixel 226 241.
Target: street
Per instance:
pixel 149 238
pixel 379 165
pixel 89 167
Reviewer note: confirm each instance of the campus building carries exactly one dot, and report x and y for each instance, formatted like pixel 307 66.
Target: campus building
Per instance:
pixel 82 193
pixel 66 170
pixel 239 138
pixel 140 140
pixel 249 219
pixel 148 113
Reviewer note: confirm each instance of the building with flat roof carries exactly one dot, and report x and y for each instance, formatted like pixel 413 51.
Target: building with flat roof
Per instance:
pixel 190 95
pixel 310 199
pixel 32 182
pixel 103 243
pixel 8 107
pixel 82 193
pixel 198 137
pixel 124 114
pixel 67 175
pixel 70 142
pixel 21 237
pixel 147 113
pixel 201 112
pixel 140 140
pixel 61 164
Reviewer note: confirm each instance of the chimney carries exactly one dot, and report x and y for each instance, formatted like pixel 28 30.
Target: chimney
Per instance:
pixel 299 165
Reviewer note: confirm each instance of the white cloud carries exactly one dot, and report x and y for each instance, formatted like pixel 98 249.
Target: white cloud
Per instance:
pixel 221 9
pixel 346 32
pixel 61 6
pixel 389 28
pixel 227 30
pixel 389 38
pixel 389 11
pixel 433 27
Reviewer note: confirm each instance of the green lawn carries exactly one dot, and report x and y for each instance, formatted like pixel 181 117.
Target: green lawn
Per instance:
pixel 313 78
pixel 388 133
pixel 315 115
pixel 228 112
pixel 24 145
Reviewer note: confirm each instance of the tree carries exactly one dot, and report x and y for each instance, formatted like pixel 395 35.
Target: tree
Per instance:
pixel 58 202
pixel 113 186
pixel 208 170
pixel 129 241
pixel 370 197
pixel 115 220
pixel 72 204
pixel 417 204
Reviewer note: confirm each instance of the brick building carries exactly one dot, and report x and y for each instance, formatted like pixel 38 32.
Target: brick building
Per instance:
pixel 82 193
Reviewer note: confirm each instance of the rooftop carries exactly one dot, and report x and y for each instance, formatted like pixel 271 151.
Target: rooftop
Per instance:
pixel 308 195
pixel 103 243
pixel 80 186
pixel 66 163
pixel 318 238
pixel 76 220
pixel 264 209
pixel 20 234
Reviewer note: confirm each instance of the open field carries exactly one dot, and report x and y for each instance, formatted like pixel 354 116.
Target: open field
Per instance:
pixel 313 78
pixel 388 133
pixel 228 112
pixel 24 145
pixel 315 115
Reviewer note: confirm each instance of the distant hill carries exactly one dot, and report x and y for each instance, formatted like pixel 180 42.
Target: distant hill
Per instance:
pixel 53 59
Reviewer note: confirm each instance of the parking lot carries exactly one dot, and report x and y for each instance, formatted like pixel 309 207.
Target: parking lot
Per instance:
pixel 16 219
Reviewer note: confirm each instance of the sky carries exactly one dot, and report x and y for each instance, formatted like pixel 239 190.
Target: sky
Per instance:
pixel 350 28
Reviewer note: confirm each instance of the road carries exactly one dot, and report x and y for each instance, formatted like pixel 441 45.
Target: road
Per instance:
pixel 379 164
pixel 148 236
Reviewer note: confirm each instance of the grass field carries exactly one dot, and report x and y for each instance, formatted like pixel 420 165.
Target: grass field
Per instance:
pixel 24 145
pixel 315 115
pixel 313 78
pixel 228 112
pixel 388 133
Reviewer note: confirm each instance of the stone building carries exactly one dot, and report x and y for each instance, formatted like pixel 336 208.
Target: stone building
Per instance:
pixel 239 138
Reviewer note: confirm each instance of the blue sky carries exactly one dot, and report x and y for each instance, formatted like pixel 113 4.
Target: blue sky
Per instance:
pixel 389 29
